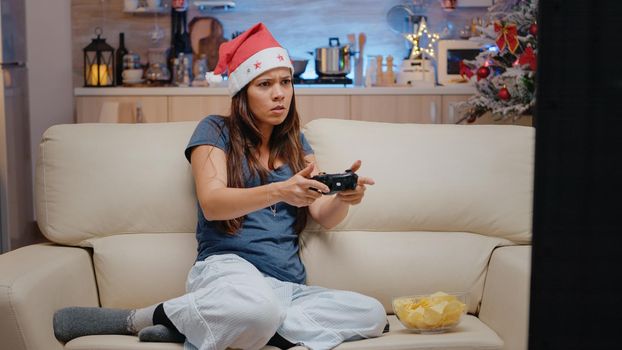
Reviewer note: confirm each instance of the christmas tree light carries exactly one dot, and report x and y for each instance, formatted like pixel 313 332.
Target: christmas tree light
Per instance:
pixel 415 39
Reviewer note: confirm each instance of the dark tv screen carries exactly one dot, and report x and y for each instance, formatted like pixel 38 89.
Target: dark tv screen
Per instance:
pixel 454 56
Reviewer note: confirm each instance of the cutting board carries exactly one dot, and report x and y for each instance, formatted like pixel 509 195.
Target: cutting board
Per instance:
pixel 206 35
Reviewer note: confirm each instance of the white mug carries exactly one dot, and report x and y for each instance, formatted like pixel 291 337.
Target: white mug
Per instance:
pixel 132 75
pixel 130 5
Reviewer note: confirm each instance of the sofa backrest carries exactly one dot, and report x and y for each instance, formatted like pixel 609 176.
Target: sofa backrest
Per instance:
pixel 98 180
pixel 433 177
pixel 445 196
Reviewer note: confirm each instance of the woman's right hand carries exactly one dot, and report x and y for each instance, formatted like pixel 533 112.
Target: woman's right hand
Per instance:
pixel 300 190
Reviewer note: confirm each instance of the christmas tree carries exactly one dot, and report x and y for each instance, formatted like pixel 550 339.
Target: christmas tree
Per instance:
pixel 504 72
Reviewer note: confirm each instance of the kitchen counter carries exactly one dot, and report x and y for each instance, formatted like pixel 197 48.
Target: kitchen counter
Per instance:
pixel 300 90
pixel 169 104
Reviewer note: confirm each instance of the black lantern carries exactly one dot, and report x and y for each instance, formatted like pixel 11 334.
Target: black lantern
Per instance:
pixel 98 62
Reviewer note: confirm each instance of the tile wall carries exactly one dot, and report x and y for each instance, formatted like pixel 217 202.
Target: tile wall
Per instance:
pixel 300 26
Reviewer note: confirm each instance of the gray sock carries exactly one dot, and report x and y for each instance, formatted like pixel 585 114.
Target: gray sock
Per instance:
pixel 160 333
pixel 141 318
pixel 73 322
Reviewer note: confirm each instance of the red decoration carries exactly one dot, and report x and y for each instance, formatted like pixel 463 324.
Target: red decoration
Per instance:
pixel 465 70
pixel 448 5
pixel 507 36
pixel 482 72
pixel 471 118
pixel 504 94
pixel 528 57
pixel 533 29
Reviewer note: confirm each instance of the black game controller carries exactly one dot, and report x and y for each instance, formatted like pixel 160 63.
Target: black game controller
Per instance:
pixel 338 182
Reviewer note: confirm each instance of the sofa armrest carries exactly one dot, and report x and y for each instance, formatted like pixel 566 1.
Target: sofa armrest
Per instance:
pixel 505 301
pixel 35 281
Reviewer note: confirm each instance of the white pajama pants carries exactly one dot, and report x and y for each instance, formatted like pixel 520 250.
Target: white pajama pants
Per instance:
pixel 230 304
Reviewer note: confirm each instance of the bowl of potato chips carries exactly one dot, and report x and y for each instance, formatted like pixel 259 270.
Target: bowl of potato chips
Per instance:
pixel 430 313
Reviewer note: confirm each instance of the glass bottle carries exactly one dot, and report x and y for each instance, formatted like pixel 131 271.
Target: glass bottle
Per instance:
pixel 118 60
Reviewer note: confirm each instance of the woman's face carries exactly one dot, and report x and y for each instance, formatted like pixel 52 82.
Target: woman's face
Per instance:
pixel 270 96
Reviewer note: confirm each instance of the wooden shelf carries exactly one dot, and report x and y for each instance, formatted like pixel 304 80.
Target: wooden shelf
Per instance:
pixel 148 11
pixel 211 5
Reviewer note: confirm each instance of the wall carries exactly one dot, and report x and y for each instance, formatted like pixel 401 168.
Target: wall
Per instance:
pixel 50 96
pixel 300 26
pixel 48 38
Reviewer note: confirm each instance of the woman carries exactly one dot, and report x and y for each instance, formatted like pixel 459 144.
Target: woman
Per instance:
pixel 252 173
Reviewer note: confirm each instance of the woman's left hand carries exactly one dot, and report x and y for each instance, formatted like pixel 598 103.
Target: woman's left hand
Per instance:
pixel 356 195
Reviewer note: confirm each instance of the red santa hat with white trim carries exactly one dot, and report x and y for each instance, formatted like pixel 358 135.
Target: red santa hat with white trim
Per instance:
pixel 249 55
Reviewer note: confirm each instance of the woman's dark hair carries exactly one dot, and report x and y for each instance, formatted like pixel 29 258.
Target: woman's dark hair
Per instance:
pixel 244 142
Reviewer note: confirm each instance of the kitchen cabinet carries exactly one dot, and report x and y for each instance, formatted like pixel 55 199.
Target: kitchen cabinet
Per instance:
pixel 322 106
pixel 189 108
pixel 396 108
pixel 172 104
pixel 449 111
pixel 121 109
pixel 186 108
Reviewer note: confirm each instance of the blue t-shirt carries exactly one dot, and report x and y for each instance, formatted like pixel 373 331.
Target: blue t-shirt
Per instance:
pixel 267 241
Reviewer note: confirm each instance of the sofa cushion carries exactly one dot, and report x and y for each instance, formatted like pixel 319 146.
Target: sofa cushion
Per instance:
pixel 137 270
pixel 506 295
pixel 390 264
pixel 97 180
pixel 470 334
pixel 468 178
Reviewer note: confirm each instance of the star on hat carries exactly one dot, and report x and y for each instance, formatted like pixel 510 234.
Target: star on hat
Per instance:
pixel 249 55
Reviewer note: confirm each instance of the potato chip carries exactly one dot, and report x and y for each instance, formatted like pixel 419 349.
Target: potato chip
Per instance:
pixel 432 318
pixel 431 312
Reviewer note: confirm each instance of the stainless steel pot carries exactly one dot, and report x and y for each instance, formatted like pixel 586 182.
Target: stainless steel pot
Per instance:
pixel 332 60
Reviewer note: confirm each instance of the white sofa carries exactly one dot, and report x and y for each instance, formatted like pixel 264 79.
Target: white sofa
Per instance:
pixel 451 211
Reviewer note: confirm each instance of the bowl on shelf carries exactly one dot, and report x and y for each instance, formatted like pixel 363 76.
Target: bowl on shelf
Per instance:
pixel 430 313
pixel 300 65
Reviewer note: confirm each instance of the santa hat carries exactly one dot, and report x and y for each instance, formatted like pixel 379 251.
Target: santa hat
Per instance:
pixel 249 55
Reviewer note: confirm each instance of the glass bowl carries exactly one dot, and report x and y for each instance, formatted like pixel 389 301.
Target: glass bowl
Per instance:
pixel 430 313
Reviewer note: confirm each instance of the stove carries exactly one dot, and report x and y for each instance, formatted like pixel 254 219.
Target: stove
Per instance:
pixel 322 80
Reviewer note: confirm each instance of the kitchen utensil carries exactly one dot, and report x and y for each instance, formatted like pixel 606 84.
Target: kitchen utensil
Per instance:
pixel 332 60
pixel 405 19
pixel 352 40
pixel 353 47
pixel 358 74
pixel 206 36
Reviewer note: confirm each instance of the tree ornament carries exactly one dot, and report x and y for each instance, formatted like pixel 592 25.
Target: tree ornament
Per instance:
pixel 465 71
pixel 504 94
pixel 507 35
pixel 533 29
pixel 483 72
pixel 471 118
pixel 528 57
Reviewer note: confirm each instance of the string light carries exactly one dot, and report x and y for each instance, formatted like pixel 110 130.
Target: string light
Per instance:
pixel 415 40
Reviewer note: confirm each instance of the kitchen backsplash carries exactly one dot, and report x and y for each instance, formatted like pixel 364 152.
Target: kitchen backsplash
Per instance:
pixel 300 26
